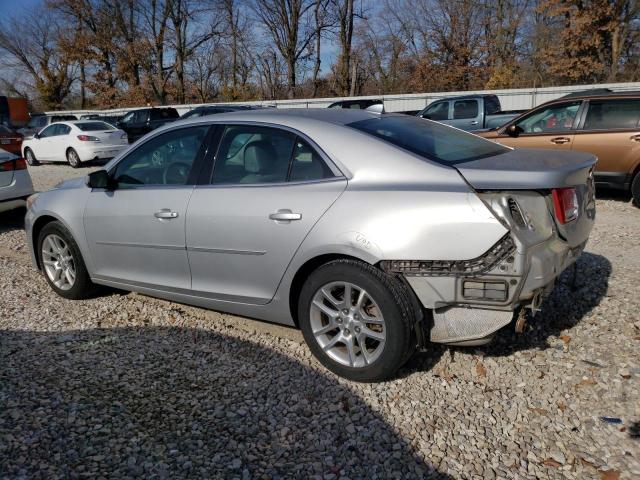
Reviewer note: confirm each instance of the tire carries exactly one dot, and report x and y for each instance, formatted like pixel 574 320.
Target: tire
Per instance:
pixel 387 343
pixel 30 157
pixel 56 245
pixel 73 158
pixel 635 190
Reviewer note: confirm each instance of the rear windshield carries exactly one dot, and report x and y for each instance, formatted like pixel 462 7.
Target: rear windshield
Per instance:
pixel 428 139
pixel 94 126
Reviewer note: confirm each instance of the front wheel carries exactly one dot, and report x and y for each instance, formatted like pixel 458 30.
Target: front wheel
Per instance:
pixel 30 157
pixel 62 263
pixel 73 158
pixel 357 320
pixel 635 190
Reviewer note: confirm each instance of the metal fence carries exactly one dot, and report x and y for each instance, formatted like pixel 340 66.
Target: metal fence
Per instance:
pixel 511 99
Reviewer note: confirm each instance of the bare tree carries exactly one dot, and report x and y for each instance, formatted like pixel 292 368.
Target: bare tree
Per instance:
pixel 29 44
pixel 288 24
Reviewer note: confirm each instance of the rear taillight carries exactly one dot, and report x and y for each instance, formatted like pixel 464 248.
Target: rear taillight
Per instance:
pixel 88 138
pixel 17 164
pixel 565 203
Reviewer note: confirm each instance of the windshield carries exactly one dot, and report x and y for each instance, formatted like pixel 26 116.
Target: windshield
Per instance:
pixel 94 126
pixel 5 129
pixel 428 139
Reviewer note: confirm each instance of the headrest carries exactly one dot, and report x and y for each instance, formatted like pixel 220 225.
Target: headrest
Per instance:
pixel 259 157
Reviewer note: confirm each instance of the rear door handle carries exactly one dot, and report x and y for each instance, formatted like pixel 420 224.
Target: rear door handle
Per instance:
pixel 473 122
pixel 560 140
pixel 165 213
pixel 285 215
pixel 635 138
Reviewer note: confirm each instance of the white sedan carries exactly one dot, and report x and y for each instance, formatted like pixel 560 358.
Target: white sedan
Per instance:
pixel 74 142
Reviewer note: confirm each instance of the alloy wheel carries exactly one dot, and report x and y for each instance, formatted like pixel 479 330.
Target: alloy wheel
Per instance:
pixel 58 261
pixel 348 324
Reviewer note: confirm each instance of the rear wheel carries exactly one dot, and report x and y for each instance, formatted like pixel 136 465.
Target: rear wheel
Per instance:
pixel 635 190
pixel 73 158
pixel 62 263
pixel 30 157
pixel 356 320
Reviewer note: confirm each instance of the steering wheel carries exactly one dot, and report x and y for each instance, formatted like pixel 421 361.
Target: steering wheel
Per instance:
pixel 176 173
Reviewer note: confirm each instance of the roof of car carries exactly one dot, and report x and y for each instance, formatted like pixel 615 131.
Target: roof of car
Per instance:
pixel 276 115
pixel 464 97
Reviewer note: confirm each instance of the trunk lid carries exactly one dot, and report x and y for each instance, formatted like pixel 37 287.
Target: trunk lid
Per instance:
pixel 525 169
pixel 538 171
pixel 110 137
pixel 6 175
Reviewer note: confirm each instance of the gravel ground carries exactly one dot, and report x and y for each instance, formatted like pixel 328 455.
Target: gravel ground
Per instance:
pixel 129 386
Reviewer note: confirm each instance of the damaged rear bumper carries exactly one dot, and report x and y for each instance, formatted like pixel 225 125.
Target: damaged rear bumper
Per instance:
pixel 469 309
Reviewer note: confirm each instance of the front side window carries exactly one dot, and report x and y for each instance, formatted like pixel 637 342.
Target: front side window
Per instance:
pixel 128 117
pixel 465 109
pixel 50 131
pixel 430 140
pixel 437 111
pixel 612 114
pixel 555 118
pixel 166 159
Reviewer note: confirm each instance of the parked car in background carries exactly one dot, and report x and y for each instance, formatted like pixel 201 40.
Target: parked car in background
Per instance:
pixel 356 104
pixel 407 231
pixel 14 112
pixel 602 122
pixel 90 116
pixel 10 140
pixel 40 121
pixel 137 123
pixel 469 112
pixel 75 142
pixel 111 119
pixel 15 182
pixel 215 109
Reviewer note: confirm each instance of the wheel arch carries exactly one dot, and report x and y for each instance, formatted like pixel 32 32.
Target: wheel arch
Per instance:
pixel 303 273
pixel 37 227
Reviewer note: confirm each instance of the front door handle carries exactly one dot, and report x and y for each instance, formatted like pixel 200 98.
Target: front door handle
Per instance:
pixel 473 122
pixel 285 215
pixel 560 140
pixel 635 138
pixel 165 213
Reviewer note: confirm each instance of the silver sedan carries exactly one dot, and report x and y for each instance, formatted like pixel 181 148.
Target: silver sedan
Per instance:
pixel 15 182
pixel 374 234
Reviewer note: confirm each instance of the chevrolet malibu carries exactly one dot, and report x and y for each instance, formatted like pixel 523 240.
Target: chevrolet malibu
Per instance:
pixel 75 142
pixel 374 234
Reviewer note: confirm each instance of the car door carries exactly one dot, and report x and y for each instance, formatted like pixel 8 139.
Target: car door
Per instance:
pixel 59 142
pixel 611 131
pixel 136 231
pixel 551 126
pixel 268 188
pixel 465 114
pixel 41 146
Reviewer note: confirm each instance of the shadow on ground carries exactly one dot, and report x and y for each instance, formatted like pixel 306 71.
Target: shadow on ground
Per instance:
pixel 12 220
pixel 176 403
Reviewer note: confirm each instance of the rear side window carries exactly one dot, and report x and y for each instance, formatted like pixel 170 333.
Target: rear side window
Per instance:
pixel 465 109
pixel 256 155
pixel 491 105
pixel 612 114
pixel 94 126
pixel 430 140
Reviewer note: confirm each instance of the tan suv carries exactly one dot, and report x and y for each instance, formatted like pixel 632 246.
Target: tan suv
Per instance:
pixel 601 122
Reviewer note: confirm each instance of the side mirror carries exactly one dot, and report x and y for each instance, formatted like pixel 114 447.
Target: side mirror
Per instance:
pixel 36 136
pixel 513 130
pixel 99 179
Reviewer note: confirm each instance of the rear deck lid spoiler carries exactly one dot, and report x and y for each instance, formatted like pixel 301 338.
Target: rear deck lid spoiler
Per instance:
pixel 528 169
